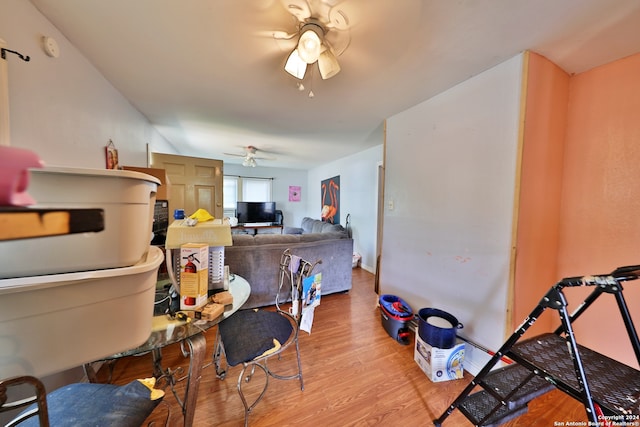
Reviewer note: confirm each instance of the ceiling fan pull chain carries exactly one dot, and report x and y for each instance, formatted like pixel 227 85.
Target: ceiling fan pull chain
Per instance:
pixel 311 94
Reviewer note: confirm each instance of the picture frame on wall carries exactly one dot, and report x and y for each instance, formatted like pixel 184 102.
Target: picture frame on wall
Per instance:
pixel 330 200
pixel 111 156
pixel 294 193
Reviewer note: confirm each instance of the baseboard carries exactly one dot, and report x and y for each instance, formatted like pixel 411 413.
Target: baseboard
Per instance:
pixel 475 358
pixel 368 268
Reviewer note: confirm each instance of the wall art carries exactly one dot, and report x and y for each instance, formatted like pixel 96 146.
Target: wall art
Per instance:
pixel 330 193
pixel 294 193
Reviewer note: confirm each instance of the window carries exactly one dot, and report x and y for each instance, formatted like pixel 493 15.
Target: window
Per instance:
pixel 244 189
pixel 256 190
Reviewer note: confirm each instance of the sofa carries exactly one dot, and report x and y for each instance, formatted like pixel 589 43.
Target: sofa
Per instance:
pixel 256 258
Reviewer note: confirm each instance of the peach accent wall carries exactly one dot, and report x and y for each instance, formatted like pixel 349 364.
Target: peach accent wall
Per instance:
pixel 600 211
pixel 547 92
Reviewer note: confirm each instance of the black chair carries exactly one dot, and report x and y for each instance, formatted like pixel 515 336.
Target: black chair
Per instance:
pixel 252 337
pixel 79 404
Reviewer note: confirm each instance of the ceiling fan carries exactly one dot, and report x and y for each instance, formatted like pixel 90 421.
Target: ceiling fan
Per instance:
pixel 322 35
pixel 250 156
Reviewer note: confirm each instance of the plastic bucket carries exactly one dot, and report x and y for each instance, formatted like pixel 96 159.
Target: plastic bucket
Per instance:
pixel 395 315
pixel 437 327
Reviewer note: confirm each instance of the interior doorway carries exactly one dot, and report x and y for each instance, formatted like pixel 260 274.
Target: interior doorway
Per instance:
pixel 379 226
pixel 196 183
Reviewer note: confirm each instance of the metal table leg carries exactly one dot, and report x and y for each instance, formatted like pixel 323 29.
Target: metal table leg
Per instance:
pixel 196 353
pixel 197 349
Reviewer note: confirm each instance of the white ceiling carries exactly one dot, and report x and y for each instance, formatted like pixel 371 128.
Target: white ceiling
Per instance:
pixel 209 74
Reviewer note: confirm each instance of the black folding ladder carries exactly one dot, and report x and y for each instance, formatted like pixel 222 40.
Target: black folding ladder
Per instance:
pixel 609 390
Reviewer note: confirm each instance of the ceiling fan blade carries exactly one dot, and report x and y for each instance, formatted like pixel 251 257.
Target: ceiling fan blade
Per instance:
pixel 254 153
pixel 298 8
pixel 338 40
pixel 234 154
pixel 338 18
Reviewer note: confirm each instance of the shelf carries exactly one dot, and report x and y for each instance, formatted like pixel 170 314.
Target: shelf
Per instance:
pixel 613 385
pixel 514 385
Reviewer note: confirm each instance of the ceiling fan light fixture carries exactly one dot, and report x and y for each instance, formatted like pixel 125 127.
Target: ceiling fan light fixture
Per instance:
pixel 295 66
pixel 313 47
pixel 328 64
pixel 310 43
pixel 249 162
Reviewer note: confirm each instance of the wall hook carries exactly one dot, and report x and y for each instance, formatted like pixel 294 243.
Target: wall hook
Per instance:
pixel 4 54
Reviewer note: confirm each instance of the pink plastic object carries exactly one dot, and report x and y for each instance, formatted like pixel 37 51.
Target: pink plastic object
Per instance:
pixel 14 175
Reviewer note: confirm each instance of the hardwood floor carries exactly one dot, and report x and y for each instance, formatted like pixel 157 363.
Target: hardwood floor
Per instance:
pixel 354 375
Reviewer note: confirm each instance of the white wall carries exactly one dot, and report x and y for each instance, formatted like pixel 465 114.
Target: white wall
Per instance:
pixel 450 174
pixel 358 195
pixel 63 108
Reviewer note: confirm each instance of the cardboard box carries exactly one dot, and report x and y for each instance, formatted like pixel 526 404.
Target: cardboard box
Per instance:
pixel 209 312
pixel 164 189
pixel 440 364
pixel 224 298
pixel 194 275
pixel 215 233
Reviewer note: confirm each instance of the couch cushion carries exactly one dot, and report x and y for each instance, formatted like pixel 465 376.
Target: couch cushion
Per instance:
pixel 265 239
pixel 314 237
pixel 292 230
pixel 242 240
pixel 310 225
pixel 307 224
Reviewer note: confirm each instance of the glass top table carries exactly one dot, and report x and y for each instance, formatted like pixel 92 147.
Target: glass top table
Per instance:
pixel 168 331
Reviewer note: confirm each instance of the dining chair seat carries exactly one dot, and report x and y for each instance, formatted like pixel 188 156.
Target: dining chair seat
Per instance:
pixel 84 404
pixel 251 333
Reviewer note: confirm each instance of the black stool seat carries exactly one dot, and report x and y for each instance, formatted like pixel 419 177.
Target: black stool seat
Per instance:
pixel 248 334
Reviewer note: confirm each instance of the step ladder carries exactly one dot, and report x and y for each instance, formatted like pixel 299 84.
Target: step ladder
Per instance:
pixel 605 386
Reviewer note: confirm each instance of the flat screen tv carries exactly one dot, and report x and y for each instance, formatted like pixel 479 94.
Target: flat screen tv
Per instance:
pixel 256 212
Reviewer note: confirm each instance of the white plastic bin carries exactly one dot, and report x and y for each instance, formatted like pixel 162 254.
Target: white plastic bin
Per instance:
pixel 128 200
pixel 56 322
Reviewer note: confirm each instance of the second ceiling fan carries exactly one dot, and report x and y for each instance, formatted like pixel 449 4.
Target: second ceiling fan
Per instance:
pixel 250 156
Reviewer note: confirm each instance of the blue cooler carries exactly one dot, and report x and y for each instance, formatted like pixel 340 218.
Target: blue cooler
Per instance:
pixel 396 314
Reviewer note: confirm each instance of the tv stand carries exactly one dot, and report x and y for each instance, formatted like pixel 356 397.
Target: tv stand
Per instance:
pixel 253 228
